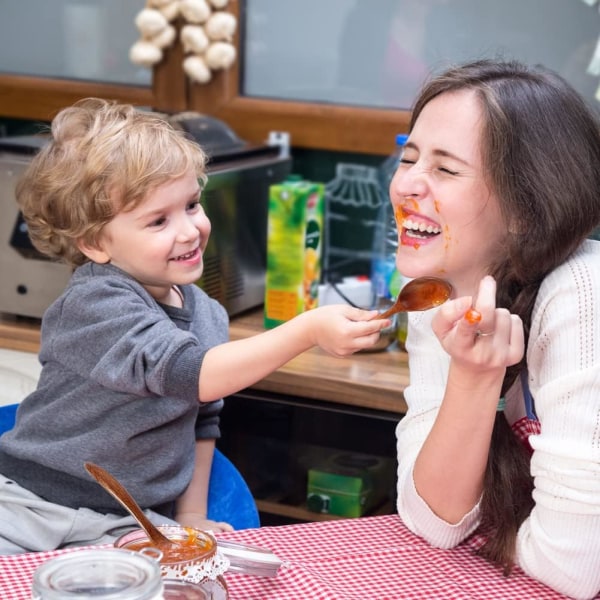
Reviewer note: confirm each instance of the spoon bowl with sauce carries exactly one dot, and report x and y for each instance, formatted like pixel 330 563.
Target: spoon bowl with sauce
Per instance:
pixel 419 294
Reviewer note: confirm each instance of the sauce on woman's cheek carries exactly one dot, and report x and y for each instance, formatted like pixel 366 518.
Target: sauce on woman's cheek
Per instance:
pixel 446 228
pixel 447 237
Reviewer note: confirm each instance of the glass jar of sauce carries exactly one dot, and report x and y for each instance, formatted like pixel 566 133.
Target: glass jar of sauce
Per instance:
pixel 194 559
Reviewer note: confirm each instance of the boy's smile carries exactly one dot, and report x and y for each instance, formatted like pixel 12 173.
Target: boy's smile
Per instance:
pixel 193 256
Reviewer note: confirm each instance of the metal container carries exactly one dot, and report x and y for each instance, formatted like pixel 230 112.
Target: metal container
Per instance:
pixel 235 198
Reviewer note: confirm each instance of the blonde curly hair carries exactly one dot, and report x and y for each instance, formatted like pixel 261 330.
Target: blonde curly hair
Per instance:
pixel 103 158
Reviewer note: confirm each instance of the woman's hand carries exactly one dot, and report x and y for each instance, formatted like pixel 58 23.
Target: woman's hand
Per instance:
pixel 478 336
pixel 482 342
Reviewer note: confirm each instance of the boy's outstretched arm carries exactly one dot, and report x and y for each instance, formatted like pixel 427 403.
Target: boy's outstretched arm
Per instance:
pixel 340 330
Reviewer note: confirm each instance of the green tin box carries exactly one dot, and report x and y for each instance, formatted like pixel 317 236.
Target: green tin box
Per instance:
pixel 348 484
pixel 334 494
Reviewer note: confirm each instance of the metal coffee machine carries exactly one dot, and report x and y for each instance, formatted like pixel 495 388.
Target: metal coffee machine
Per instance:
pixel 235 199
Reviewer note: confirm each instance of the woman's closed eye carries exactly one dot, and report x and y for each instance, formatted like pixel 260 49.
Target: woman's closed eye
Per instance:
pixel 440 168
pixel 447 170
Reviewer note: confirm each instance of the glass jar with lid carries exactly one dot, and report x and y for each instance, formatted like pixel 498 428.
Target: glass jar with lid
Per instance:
pixel 101 574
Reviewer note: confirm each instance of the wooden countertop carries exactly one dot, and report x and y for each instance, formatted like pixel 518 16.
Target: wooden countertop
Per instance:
pixel 369 380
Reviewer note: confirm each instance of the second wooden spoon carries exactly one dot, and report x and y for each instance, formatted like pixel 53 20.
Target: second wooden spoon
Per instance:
pixel 114 487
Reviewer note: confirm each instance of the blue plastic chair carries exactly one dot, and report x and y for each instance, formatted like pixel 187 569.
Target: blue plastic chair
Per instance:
pixel 229 498
pixel 7 417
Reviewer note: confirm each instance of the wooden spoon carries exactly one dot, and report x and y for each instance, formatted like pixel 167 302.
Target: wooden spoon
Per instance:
pixel 418 294
pixel 114 487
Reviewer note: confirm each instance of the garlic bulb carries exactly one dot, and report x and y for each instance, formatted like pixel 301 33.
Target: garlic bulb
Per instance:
pixel 164 38
pixel 206 35
pixel 221 26
pixel 170 11
pixel 145 53
pixel 193 39
pixel 194 11
pixel 220 55
pixel 196 69
pixel 150 22
pixel 157 3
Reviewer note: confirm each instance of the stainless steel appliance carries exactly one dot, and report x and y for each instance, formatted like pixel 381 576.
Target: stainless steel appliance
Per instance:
pixel 235 199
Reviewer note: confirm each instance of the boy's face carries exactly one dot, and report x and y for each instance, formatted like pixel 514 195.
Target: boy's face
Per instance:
pixel 161 242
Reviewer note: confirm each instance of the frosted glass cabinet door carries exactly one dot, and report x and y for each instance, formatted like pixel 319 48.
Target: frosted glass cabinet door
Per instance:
pixel 376 53
pixel 71 39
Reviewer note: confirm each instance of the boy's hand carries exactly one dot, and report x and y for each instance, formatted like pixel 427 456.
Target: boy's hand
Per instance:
pixel 199 521
pixel 340 329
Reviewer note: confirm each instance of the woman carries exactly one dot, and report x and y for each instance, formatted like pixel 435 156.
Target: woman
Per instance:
pixel 497 190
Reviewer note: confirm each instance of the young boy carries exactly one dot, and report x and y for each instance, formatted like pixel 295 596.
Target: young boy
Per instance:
pixel 135 357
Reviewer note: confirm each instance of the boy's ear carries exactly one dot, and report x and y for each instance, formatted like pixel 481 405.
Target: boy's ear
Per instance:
pixel 93 252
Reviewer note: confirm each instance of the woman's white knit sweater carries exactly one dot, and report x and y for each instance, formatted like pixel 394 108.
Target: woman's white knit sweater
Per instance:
pixel 559 543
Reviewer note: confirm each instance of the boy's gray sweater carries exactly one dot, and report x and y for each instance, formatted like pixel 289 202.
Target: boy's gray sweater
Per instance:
pixel 118 387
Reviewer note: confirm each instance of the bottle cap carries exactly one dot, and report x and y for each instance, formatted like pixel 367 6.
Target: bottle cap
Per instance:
pixel 293 177
pixel 401 139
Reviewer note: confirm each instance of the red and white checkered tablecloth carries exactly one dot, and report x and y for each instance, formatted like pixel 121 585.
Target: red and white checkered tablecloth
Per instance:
pixel 371 558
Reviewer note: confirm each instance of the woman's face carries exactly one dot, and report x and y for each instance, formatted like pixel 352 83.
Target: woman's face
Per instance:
pixel 449 222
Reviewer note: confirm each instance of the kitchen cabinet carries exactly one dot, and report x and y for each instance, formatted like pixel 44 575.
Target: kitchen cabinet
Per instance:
pixel 303 415
pixel 276 440
pixel 307 414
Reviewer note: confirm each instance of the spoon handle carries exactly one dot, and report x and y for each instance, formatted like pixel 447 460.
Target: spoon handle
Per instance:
pixel 392 310
pixel 114 487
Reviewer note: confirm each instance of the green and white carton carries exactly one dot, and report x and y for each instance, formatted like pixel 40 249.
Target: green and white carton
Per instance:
pixel 294 245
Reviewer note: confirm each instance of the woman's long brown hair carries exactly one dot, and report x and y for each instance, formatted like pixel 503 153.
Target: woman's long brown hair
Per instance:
pixel 541 156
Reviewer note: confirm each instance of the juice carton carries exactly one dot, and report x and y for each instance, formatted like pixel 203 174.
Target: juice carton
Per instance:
pixel 294 242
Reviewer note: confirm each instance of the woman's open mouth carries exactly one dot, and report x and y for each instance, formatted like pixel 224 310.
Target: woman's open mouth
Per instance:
pixel 419 230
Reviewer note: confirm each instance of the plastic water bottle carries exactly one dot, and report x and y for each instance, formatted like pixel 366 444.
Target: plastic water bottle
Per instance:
pixel 384 276
pixel 385 279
